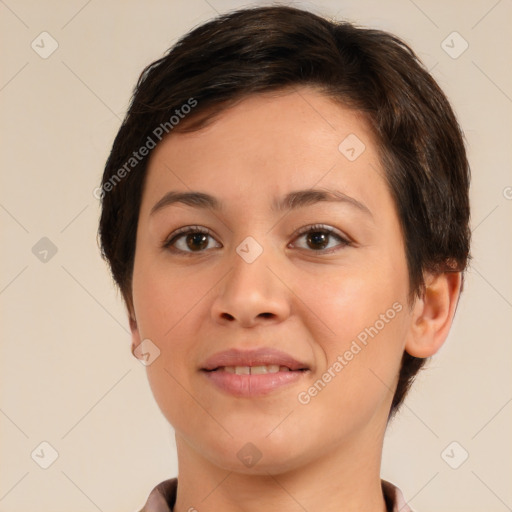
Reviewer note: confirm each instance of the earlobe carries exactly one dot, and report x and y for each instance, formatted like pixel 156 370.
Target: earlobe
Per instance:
pixel 433 314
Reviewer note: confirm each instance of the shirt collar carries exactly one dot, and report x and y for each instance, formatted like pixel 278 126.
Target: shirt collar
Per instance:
pixel 163 497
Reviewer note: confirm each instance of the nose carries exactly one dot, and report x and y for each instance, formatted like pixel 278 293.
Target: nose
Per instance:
pixel 252 294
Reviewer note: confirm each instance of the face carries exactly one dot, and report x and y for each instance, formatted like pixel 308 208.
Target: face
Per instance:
pixel 280 323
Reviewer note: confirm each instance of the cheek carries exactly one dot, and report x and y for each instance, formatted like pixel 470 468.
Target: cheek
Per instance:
pixel 365 313
pixel 349 300
pixel 362 350
pixel 167 304
pixel 165 297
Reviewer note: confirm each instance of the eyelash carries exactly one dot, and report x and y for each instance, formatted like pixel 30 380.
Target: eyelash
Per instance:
pixel 315 228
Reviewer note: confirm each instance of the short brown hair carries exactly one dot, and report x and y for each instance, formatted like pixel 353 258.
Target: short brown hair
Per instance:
pixel 261 49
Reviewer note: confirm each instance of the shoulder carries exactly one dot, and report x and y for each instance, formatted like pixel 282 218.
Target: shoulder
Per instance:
pixel 394 498
pixel 162 497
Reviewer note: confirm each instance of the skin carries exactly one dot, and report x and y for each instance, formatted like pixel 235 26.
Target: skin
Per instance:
pixel 324 455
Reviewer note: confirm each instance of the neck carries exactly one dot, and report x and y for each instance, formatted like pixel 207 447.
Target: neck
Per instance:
pixel 349 482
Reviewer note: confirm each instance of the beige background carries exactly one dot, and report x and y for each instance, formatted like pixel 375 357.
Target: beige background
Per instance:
pixel 67 374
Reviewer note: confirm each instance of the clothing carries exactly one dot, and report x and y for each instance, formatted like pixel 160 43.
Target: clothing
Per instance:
pixel 163 497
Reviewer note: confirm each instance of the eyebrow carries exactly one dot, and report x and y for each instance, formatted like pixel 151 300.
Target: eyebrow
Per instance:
pixel 291 201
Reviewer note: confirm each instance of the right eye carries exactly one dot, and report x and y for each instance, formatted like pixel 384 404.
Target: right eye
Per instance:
pixel 189 240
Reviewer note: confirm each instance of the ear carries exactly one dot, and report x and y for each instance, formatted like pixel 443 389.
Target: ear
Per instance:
pixel 134 330
pixel 433 314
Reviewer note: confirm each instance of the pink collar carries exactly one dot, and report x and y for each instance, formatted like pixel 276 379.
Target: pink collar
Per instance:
pixel 163 497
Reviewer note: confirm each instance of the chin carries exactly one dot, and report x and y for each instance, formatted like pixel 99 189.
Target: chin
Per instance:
pixel 256 456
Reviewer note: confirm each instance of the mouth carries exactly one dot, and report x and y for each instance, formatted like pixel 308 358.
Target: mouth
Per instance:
pixel 253 373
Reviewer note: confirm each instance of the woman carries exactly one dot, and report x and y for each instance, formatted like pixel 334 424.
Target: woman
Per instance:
pixel 285 210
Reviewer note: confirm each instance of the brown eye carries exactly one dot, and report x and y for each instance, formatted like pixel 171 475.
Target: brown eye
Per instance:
pixel 318 238
pixel 189 240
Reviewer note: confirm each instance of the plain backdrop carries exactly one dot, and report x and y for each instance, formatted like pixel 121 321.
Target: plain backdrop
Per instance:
pixel 68 378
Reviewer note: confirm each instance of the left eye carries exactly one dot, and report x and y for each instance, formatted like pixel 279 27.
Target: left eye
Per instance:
pixel 318 237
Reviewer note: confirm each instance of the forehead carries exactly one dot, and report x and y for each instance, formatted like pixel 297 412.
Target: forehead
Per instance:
pixel 271 143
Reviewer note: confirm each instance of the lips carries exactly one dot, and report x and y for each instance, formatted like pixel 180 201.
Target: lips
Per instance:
pixel 252 373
